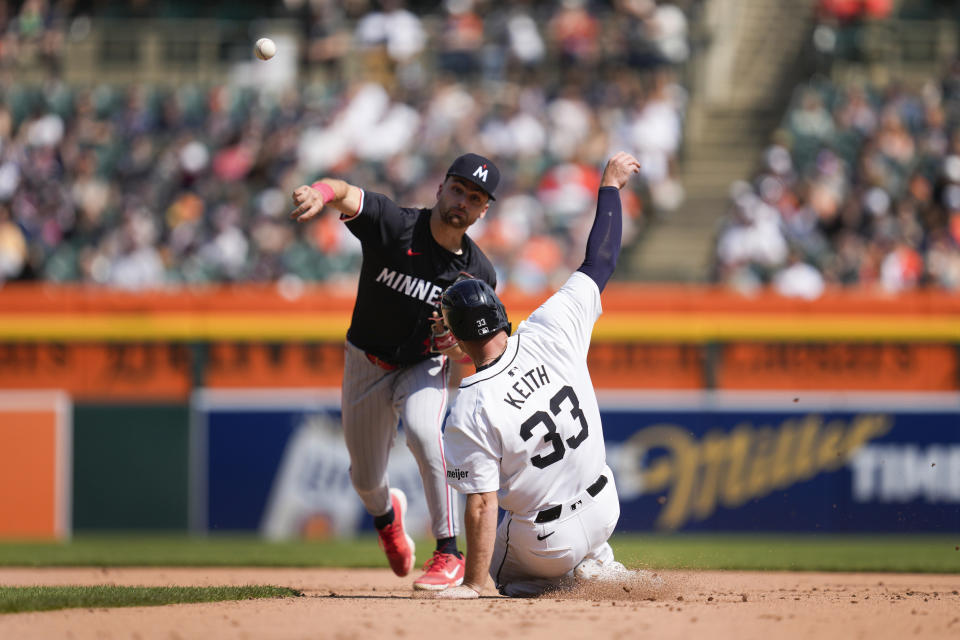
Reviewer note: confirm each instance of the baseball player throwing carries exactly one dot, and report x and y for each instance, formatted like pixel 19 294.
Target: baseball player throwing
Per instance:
pixel 526 426
pixel 396 362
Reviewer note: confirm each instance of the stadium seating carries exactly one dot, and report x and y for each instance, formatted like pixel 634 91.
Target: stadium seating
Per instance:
pixel 860 186
pixel 167 182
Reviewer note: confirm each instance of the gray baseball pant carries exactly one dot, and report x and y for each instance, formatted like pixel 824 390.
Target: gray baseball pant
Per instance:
pixel 373 400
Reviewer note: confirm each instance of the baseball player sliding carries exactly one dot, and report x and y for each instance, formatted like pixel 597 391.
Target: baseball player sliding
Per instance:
pixel 396 364
pixel 525 428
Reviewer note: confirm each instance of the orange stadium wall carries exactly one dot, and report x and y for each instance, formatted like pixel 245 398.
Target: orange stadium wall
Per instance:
pixel 106 345
pixel 35 465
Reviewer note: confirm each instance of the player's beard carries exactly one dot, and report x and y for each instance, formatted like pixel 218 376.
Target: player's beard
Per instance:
pixel 456 218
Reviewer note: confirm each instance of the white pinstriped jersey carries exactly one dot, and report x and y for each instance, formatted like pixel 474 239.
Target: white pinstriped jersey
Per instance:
pixel 528 427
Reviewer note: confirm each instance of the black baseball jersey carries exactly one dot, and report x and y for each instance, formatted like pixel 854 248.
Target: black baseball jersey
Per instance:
pixel 403 274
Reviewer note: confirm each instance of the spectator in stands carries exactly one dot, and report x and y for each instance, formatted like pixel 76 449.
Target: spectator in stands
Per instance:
pixel 328 38
pixel 524 42
pixel 461 39
pixel 840 30
pixel 798 279
pixel 575 32
pixel 13 247
pixel 392 39
pixel 654 131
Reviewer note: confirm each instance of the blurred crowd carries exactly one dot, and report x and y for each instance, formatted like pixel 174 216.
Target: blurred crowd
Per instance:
pixel 861 187
pixel 34 31
pixel 145 186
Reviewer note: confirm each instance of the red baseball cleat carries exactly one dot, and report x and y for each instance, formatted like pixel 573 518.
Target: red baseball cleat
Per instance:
pixel 442 570
pixel 394 539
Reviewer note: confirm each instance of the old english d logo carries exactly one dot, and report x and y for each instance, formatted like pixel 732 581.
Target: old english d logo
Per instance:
pixel 481 173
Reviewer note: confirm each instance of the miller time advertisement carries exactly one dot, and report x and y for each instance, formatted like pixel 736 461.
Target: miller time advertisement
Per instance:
pixel 684 461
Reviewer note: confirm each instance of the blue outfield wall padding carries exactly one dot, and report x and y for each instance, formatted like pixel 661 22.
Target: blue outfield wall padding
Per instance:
pixel 786 471
pixel 245 449
pixel 682 462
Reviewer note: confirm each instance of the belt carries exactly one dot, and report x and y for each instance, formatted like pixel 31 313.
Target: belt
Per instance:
pixel 551 514
pixel 386 366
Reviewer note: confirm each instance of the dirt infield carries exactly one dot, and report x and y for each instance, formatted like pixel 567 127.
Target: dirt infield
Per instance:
pixel 372 603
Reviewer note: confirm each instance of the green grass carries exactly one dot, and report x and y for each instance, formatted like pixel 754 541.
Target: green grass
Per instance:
pixel 19 599
pixel 183 551
pixel 915 553
pixel 893 553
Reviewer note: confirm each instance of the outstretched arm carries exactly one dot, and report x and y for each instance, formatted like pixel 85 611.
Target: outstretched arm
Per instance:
pixel 480 519
pixel 310 199
pixel 603 243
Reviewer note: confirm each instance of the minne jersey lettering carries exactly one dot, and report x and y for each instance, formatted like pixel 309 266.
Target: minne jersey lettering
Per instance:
pixel 525 387
pixel 411 286
pixel 402 278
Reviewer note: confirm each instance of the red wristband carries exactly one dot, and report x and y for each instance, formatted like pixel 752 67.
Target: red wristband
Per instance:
pixel 325 190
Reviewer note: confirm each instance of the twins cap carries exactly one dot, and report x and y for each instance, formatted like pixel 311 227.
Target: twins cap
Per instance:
pixel 478 170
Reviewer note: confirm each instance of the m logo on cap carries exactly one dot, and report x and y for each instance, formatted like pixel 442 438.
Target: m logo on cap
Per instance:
pixel 478 170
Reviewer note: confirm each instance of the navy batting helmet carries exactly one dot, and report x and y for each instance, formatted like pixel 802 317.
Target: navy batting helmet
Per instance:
pixel 472 310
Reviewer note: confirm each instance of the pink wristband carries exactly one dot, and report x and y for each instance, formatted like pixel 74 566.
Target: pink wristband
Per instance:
pixel 325 190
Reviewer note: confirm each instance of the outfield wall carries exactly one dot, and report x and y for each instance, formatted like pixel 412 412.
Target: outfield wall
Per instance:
pixel 36 440
pixel 130 467
pixel 275 462
pixel 131 363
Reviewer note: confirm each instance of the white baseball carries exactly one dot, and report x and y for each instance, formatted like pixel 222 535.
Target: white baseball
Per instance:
pixel 265 48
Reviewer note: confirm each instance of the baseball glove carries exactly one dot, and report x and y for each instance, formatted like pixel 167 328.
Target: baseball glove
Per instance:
pixel 441 338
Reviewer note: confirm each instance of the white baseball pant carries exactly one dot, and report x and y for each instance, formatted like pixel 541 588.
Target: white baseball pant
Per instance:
pixel 530 558
pixel 373 400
